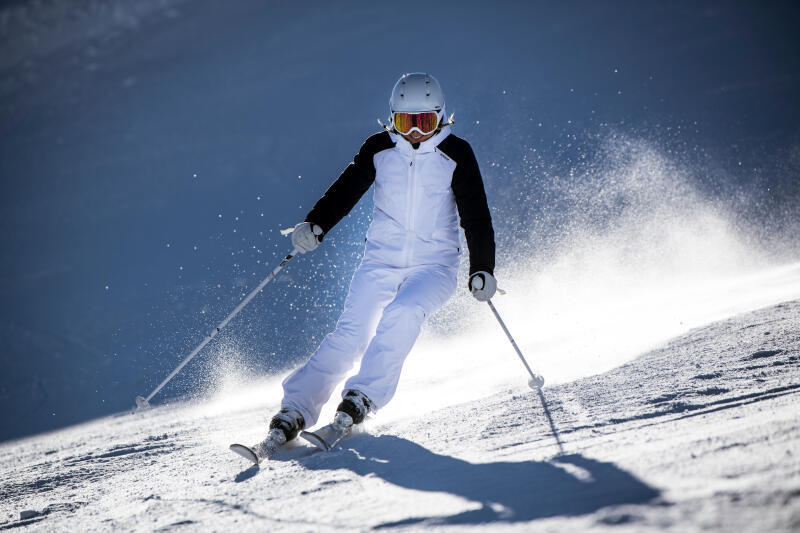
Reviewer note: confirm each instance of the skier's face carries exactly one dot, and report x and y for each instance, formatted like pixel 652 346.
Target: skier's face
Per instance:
pixel 417 137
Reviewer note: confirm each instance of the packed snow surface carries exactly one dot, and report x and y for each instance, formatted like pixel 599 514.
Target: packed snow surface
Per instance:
pixel 152 150
pixel 700 433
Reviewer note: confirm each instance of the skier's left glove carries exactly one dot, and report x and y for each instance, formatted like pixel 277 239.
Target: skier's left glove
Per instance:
pixel 482 285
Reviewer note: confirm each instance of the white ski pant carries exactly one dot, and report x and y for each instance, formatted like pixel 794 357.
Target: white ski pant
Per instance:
pixel 382 318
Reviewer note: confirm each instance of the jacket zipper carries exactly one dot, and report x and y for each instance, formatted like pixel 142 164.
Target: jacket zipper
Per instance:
pixel 411 208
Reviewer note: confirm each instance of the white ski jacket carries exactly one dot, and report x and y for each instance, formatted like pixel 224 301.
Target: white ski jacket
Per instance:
pixel 420 194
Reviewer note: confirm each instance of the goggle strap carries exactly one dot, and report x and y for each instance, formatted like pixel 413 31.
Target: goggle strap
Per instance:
pixel 384 126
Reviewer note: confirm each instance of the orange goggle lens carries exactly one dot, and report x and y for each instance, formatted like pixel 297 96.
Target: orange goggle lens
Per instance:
pixel 425 122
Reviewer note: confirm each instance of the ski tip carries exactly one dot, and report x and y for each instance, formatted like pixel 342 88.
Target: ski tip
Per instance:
pixel 245 451
pixel 316 440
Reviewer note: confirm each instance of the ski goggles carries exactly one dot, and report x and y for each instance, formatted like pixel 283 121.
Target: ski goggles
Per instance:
pixel 425 122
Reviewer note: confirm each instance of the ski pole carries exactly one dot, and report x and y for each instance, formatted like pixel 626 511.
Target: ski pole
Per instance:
pixel 143 403
pixel 536 382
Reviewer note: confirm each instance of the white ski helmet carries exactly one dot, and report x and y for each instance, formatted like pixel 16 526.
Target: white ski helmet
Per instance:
pixel 417 92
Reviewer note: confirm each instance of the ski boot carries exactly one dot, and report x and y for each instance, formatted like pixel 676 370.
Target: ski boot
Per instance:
pixel 283 427
pixel 356 405
pixel 351 411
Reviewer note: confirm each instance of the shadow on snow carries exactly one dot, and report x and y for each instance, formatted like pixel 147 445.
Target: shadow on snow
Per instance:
pixel 568 485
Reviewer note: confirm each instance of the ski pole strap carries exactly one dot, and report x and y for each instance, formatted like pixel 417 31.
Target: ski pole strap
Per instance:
pixel 224 323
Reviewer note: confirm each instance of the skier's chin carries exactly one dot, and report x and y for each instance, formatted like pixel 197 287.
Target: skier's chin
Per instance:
pixel 416 137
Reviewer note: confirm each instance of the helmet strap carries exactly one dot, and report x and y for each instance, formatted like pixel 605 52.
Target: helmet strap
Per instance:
pixel 384 126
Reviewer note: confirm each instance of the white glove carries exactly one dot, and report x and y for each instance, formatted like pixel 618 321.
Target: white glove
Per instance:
pixel 482 285
pixel 305 237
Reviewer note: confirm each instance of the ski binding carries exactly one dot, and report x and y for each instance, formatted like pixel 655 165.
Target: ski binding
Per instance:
pixel 262 450
pixel 326 438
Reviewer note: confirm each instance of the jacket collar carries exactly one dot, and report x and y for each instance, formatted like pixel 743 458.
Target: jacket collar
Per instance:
pixel 426 146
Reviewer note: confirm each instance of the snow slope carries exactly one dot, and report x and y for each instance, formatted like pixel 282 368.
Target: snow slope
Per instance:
pixel 702 433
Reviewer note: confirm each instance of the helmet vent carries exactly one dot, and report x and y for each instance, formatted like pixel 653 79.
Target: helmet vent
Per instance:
pixel 416 92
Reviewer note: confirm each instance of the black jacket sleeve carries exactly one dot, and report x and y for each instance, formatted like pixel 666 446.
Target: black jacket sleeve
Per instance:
pixel 351 185
pixel 473 209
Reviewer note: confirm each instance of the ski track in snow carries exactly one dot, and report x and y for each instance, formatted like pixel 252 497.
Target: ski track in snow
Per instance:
pixel 701 433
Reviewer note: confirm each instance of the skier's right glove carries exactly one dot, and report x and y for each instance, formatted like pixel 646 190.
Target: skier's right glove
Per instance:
pixel 305 237
pixel 482 285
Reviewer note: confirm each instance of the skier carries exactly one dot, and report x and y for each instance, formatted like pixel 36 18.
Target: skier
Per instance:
pixel 425 179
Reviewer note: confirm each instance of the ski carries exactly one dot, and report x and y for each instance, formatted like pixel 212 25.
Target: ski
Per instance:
pixel 257 453
pixel 326 438
pixel 246 452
